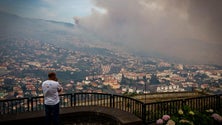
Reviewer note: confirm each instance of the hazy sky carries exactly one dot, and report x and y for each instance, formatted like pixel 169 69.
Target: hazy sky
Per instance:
pixel 188 30
pixel 60 10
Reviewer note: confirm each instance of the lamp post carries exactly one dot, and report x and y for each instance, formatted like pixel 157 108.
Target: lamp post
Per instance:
pixel 145 92
pixel 145 81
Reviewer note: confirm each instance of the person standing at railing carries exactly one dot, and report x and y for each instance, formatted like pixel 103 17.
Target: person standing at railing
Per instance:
pixel 51 89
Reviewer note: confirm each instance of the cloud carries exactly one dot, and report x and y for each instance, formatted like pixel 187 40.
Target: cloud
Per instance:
pixel 184 30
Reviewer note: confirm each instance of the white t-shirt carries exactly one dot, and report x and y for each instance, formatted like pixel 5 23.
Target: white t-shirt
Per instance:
pixel 50 92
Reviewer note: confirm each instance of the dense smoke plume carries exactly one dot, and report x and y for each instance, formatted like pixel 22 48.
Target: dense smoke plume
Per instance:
pixel 188 30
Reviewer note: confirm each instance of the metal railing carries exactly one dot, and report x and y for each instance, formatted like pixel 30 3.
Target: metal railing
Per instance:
pixel 156 110
pixel 92 99
pixel 13 106
pixel 148 112
pixel 128 104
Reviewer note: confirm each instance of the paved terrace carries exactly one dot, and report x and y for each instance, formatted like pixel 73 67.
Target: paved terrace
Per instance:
pixel 109 109
pixel 163 96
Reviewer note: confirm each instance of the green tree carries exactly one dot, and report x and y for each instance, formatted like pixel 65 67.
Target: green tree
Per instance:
pixel 154 79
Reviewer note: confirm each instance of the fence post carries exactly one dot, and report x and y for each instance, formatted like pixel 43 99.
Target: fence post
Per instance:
pixel 32 104
pixel 28 105
pixel 111 101
pixel 218 103
pixel 71 100
pixel 183 103
pixel 74 99
pixel 144 113
pixel 220 98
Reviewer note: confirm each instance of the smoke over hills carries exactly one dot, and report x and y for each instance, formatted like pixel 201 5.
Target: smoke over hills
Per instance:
pixel 188 31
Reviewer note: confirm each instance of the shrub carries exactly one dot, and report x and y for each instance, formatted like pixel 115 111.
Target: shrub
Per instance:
pixel 186 116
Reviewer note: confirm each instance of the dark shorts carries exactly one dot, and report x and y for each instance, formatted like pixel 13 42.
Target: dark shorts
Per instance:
pixel 52 114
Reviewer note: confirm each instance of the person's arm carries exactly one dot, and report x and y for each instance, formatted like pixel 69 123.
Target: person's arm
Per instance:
pixel 59 88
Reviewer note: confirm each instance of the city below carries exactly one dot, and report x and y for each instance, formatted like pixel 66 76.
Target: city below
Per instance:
pixel 25 63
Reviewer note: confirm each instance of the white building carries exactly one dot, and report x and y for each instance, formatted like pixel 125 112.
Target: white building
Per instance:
pixel 170 88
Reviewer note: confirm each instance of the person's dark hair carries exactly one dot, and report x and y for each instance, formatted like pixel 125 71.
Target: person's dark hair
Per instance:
pixel 51 75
